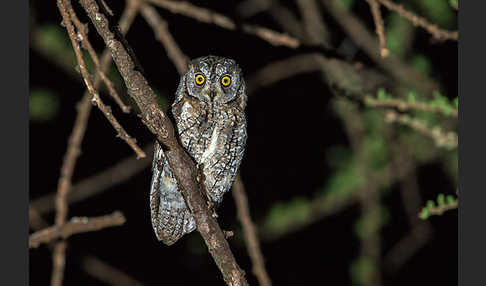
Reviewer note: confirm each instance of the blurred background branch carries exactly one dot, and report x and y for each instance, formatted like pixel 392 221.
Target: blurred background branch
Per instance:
pixel 371 140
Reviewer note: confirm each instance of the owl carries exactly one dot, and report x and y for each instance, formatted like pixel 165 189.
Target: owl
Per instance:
pixel 209 111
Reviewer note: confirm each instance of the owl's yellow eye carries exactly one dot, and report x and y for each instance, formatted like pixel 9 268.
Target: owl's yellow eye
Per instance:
pixel 200 79
pixel 225 80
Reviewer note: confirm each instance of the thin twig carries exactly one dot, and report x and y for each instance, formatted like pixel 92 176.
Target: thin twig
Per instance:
pixel 441 138
pixel 404 168
pixel 438 33
pixel 182 165
pixel 83 37
pixel 368 196
pixel 64 184
pixel 360 35
pixel 96 100
pixel 314 25
pixel 74 226
pixel 337 72
pixel 439 210
pixel 403 105
pixel 250 233
pixel 91 264
pixel 162 34
pixel 380 29
pixel 106 273
pixel 88 187
pixel 281 14
pixel 67 169
pixel 211 17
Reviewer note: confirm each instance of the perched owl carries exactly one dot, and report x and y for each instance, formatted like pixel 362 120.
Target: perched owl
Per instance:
pixel 209 110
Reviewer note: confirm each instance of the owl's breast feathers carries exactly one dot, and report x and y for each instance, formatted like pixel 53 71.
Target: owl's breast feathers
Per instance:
pixel 215 137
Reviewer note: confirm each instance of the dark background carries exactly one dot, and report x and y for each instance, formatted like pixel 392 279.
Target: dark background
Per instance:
pixel 275 168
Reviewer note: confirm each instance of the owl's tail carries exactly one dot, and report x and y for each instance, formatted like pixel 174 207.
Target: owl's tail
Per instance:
pixel 171 218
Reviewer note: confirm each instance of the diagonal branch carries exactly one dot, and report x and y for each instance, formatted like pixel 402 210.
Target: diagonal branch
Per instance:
pixel 250 232
pixel 96 100
pixel 180 162
pixel 88 187
pixel 211 17
pixel 360 35
pixel 433 29
pixel 162 34
pixel 180 59
pixel 83 38
pixel 380 29
pixel 64 184
pixel 76 225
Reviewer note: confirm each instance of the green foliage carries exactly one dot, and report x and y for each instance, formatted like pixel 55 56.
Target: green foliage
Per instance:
pixel 412 96
pixel 438 12
pixel 450 199
pixel 362 270
pixel 397 34
pixel 369 224
pixel 343 182
pixel 339 157
pixel 54 40
pixel 421 64
pixel 283 214
pixel 348 4
pixel 374 146
pixel 383 95
pixel 420 146
pixel 454 3
pixel 442 203
pixel 43 105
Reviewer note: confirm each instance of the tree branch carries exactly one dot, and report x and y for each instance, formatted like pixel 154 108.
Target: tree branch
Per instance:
pixel 83 38
pixel 210 17
pixel 180 162
pixel 76 225
pixel 403 105
pixel 360 35
pixel 96 100
pixel 434 30
pixel 162 34
pixel 380 29
pixel 250 233
pixel 95 184
pixel 446 139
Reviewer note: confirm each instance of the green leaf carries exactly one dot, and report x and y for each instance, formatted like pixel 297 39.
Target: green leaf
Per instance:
pixel 382 94
pixel 397 31
pixel 361 270
pixel 424 214
pixel 454 3
pixel 430 204
pixel 421 64
pixel 348 4
pixel 412 97
pixel 450 199
pixel 43 105
pixel 440 200
pixel 438 12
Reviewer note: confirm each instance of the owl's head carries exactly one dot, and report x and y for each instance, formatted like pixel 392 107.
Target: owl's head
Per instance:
pixel 215 80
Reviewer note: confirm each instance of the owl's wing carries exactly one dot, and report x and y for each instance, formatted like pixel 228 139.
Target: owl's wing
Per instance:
pixel 171 218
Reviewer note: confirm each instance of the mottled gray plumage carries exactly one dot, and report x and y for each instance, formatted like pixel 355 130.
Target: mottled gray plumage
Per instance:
pixel 211 124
